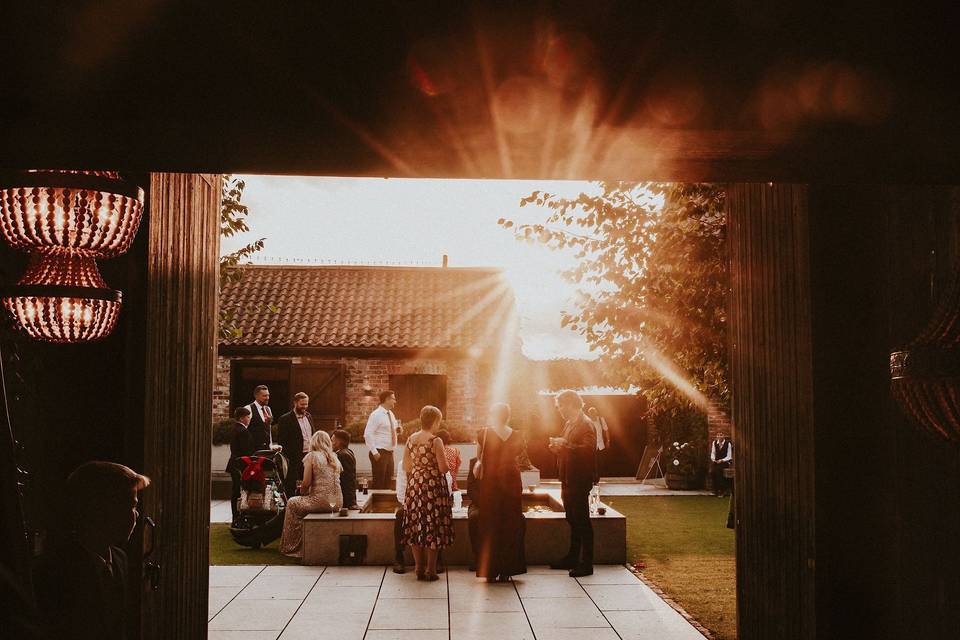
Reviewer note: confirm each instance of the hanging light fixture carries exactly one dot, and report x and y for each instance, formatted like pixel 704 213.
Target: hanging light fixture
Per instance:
pixel 92 213
pixel 63 298
pixel 66 220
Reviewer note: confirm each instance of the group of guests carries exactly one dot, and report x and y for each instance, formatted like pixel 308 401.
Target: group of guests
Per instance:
pixel 321 469
pixel 321 477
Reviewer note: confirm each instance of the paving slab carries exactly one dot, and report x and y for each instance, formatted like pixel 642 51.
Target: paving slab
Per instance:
pixel 372 603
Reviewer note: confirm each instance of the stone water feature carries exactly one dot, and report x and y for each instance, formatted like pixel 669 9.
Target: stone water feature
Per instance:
pixel 547 536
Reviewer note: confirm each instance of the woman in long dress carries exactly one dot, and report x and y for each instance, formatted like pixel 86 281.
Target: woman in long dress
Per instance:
pixel 319 492
pixel 501 525
pixel 427 506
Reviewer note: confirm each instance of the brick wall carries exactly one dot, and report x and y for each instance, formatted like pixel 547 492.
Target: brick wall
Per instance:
pixel 718 419
pixel 221 390
pixel 466 384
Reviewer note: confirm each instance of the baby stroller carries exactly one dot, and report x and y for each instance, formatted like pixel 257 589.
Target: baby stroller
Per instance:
pixel 262 499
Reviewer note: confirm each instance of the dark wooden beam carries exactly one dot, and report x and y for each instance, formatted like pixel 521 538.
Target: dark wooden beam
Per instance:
pixel 610 89
pixel 772 390
pixel 180 344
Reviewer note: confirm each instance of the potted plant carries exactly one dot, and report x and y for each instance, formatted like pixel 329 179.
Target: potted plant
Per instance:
pixel 682 468
pixel 682 432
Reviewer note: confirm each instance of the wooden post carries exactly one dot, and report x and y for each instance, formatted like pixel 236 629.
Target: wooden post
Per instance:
pixel 771 375
pixel 180 359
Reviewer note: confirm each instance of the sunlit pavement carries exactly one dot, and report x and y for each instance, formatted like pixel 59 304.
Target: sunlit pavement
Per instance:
pixel 373 603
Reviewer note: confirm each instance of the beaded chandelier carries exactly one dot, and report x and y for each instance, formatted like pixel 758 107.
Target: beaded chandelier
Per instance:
pixel 66 220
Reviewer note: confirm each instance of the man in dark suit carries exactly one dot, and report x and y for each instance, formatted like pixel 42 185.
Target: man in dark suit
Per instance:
pixel 261 419
pixel 294 430
pixel 348 477
pixel 576 452
pixel 241 444
pixel 81 582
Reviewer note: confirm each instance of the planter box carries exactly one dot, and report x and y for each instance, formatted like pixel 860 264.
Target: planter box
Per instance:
pixel 218 457
pixel 679 482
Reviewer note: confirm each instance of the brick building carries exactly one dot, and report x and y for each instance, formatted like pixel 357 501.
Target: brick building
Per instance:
pixel 343 333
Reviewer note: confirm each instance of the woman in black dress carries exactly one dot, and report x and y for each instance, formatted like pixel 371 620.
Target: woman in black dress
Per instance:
pixel 501 524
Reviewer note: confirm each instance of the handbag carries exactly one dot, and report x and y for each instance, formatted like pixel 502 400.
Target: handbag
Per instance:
pixel 478 468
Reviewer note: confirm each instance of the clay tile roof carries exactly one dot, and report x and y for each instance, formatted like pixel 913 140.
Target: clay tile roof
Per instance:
pixel 350 307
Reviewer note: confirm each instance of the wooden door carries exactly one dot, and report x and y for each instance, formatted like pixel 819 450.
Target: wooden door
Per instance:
pixel 326 386
pixel 181 335
pixel 414 391
pixel 246 375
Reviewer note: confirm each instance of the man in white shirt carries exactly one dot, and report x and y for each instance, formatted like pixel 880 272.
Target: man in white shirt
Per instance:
pixel 261 417
pixel 380 436
pixel 721 457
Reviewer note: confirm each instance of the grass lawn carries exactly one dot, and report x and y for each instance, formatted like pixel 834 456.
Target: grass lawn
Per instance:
pixel 223 550
pixel 688 551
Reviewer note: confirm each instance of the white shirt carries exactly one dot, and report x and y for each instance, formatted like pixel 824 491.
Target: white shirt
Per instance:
pixel 599 426
pixel 713 451
pixel 401 482
pixel 305 430
pixel 262 411
pixel 380 430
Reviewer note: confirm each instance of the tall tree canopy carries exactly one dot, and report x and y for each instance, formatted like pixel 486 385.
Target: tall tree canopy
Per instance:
pixel 653 281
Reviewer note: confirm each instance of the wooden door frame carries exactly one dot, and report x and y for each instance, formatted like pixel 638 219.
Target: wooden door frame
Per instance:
pixel 181 353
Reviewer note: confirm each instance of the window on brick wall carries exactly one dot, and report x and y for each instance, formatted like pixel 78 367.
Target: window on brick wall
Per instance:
pixel 416 390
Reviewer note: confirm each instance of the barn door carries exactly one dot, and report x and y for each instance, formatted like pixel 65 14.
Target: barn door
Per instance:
pixel 180 355
pixel 326 386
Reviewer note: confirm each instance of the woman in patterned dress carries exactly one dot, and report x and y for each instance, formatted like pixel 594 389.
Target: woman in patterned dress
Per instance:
pixel 428 515
pixel 319 492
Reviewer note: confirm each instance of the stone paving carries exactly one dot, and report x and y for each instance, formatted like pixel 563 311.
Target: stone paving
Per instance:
pixel 373 603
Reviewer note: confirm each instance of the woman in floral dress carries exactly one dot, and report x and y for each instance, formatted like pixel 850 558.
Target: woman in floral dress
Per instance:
pixel 428 515
pixel 319 492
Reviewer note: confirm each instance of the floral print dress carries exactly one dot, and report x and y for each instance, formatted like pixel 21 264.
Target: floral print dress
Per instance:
pixel 428 515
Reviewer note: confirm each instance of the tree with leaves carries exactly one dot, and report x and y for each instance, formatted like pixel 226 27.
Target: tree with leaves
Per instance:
pixel 653 282
pixel 233 220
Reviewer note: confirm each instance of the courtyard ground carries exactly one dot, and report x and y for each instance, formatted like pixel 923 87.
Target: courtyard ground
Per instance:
pixel 682 540
pixel 373 603
pixel 688 552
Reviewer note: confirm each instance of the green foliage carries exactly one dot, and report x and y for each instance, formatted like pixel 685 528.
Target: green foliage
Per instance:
pixel 233 220
pixel 681 424
pixel 221 432
pixel 653 281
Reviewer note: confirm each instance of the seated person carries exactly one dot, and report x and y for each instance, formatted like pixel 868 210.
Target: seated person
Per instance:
pixel 452 454
pixel 319 492
pixel 81 582
pixel 348 461
pixel 400 562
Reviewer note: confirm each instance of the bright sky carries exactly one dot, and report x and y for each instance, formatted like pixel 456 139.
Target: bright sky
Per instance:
pixel 409 221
